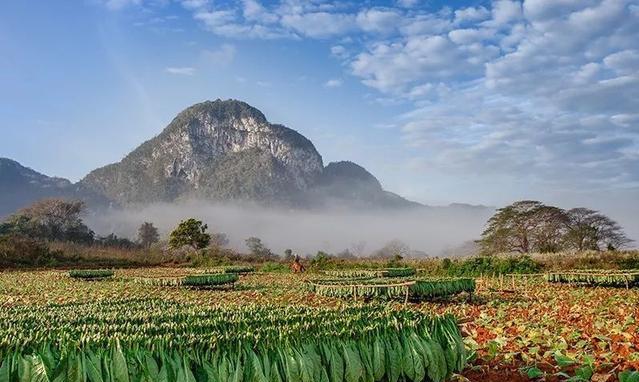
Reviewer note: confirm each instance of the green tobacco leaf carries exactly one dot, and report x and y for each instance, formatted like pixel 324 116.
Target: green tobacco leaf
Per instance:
pixel 534 373
pixel 120 368
pixel 584 372
pixel 563 361
pixel 629 376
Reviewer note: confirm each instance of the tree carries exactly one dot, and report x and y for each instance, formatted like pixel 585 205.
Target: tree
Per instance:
pixel 524 226
pixel 51 219
pixel 148 235
pixel 591 230
pixel 219 240
pixel 392 249
pixel 528 226
pixel 258 249
pixel 549 228
pixel 190 232
pixel 288 255
pixel 113 241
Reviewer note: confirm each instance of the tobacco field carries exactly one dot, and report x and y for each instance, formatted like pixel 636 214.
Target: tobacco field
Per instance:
pixel 273 327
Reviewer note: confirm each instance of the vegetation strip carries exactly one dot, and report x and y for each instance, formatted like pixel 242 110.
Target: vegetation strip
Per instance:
pixel 231 269
pixel 199 280
pixel 151 340
pixel 613 279
pixel 357 273
pixel 390 289
pixel 425 288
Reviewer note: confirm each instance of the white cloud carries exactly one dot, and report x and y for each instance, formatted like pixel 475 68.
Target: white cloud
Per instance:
pixel 548 95
pixel 319 24
pixel 339 51
pixel 469 36
pixel 378 20
pixel 333 83
pixel 624 62
pixel 471 14
pixel 255 11
pixel 184 70
pixel 227 23
pixel 425 24
pixel 505 11
pixel 390 67
pixel 215 19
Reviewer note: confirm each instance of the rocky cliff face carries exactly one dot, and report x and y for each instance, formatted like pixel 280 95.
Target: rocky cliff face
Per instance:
pixel 218 150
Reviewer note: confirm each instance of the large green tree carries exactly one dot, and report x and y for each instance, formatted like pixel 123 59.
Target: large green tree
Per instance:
pixel 591 230
pixel 524 226
pixel 531 226
pixel 190 232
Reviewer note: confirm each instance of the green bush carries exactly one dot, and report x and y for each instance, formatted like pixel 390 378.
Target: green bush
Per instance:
pixel 398 272
pixel 488 265
pixel 425 288
pixel 210 280
pixel 91 273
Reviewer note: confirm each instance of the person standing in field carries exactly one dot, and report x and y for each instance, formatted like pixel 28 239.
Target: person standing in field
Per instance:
pixel 297 266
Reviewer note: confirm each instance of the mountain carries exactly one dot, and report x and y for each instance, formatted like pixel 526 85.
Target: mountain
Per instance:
pixel 222 150
pixel 348 184
pixel 218 151
pixel 21 186
pixel 228 151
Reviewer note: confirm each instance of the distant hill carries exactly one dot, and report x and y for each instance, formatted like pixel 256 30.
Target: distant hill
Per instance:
pixel 20 186
pixel 228 151
pixel 223 151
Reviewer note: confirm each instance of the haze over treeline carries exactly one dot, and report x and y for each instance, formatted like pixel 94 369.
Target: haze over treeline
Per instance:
pixel 431 230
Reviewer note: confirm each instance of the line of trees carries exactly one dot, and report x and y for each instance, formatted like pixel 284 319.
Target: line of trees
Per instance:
pixel 531 226
pixel 61 220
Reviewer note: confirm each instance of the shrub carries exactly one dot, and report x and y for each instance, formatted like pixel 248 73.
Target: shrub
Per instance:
pixel 233 269
pixel 273 266
pixel 91 273
pixel 18 250
pixel 475 266
pixel 210 280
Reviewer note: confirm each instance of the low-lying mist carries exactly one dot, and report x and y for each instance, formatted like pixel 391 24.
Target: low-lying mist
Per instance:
pixel 431 229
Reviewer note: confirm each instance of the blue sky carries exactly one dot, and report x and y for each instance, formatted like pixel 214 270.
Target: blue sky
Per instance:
pixel 479 102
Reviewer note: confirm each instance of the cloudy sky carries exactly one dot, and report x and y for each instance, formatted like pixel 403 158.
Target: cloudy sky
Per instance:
pixel 478 102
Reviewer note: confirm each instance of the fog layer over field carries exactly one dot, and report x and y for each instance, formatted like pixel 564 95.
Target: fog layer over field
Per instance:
pixel 431 229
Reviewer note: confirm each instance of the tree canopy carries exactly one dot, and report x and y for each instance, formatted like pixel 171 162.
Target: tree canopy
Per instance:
pixel 531 226
pixel 50 219
pixel 190 232
pixel 148 234
pixel 258 249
